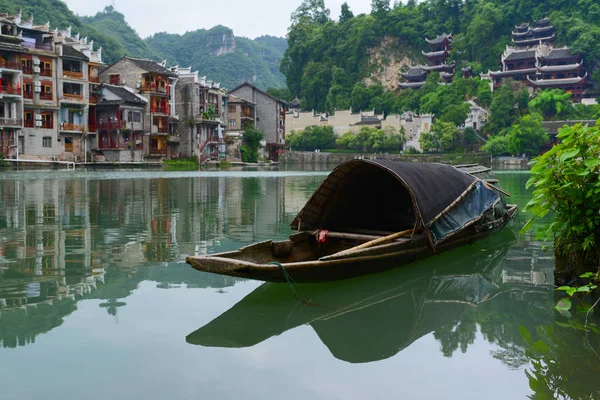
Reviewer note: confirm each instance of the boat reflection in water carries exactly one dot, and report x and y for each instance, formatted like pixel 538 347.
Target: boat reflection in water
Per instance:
pixel 374 317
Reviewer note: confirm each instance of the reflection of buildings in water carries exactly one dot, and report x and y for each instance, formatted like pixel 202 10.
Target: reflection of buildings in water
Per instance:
pixel 375 317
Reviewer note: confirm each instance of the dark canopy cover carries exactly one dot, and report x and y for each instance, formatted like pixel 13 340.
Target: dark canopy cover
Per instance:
pixel 384 195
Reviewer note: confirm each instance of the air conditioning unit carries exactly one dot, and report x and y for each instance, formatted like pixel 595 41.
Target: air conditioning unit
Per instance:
pixel 36 61
pixel 37 84
pixel 37 89
pixel 36 70
pixel 38 117
pixel 38 124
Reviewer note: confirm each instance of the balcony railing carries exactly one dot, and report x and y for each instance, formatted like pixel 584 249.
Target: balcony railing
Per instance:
pixel 160 129
pixel 149 87
pixel 105 143
pixel 72 127
pixel 92 128
pixel 46 72
pixel 28 94
pixel 16 65
pixel 94 98
pixel 46 96
pixel 27 70
pixel 164 109
pixel 11 122
pixel 73 74
pixel 72 96
pixel 106 126
pixel 28 123
pixel 8 89
pixel 48 124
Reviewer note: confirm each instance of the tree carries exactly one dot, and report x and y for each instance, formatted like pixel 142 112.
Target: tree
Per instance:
pixel 484 93
pixel 442 137
pixel 311 11
pixel 469 136
pixel 345 14
pixel 251 142
pixel 528 135
pixel 312 138
pixel 456 113
pixel 502 110
pixel 551 103
pixel 497 145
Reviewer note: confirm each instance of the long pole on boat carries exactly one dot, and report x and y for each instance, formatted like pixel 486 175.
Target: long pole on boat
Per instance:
pixel 375 242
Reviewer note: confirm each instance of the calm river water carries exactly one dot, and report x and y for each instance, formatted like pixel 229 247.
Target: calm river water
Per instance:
pixel 96 302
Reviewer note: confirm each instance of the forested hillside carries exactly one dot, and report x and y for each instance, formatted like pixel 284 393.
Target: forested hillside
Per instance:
pixel 112 23
pixel 223 57
pixel 61 17
pixel 327 62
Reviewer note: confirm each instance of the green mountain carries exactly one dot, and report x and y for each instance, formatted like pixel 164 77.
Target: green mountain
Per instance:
pixel 336 64
pixel 112 23
pixel 223 57
pixel 61 17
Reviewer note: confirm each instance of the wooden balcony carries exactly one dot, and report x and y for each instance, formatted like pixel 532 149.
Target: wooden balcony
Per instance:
pixel 14 65
pixel 46 96
pixel 48 124
pixel 46 72
pixel 92 128
pixel 72 127
pixel 161 109
pixel 150 87
pixel 28 123
pixel 27 70
pixel 28 94
pixel 11 122
pixel 72 96
pixel 110 126
pixel 10 89
pixel 93 98
pixel 157 152
pixel 73 74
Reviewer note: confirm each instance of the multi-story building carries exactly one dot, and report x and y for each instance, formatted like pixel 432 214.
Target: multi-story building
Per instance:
pixel 270 117
pixel 157 84
pixel 120 118
pixel 11 91
pixel 44 90
pixel 203 112
pixel 524 35
pixel 534 61
pixel 437 60
pixel 240 115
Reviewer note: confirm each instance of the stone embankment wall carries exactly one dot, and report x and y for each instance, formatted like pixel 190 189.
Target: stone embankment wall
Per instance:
pixel 306 158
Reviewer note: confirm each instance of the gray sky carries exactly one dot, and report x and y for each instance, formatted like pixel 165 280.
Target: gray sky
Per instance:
pixel 246 17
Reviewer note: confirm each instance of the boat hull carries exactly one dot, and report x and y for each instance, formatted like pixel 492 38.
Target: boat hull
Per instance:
pixel 259 266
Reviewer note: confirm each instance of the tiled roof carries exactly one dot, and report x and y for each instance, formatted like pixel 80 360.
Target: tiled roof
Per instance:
pixel 440 39
pixel 151 66
pixel 414 72
pixel 559 53
pixel 411 85
pixel 70 52
pixel 126 95
pixel 521 55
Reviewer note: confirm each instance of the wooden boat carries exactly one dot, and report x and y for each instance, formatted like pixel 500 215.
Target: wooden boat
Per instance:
pixel 377 316
pixel 344 229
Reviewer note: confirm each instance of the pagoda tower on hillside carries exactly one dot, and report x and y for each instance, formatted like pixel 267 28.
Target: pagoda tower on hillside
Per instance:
pixel 437 60
pixel 542 32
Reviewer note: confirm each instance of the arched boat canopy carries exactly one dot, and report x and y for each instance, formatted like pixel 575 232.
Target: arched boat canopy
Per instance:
pixel 381 195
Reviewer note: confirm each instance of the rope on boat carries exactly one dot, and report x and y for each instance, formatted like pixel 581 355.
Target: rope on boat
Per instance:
pixel 291 282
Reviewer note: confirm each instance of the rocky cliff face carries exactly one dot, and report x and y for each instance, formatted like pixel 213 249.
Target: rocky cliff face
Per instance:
pixel 228 44
pixel 386 61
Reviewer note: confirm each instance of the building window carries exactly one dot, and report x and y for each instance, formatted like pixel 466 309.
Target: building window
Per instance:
pixel 47 120
pixel 232 123
pixel 46 91
pixel 28 123
pixel 28 90
pixel 47 142
pixel 137 117
pixel 232 108
pixel 115 79
pixel 46 68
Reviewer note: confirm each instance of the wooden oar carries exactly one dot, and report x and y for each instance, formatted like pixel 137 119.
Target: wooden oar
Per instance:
pixel 374 242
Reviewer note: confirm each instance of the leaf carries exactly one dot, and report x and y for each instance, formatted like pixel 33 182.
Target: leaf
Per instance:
pixel 584 289
pixel 564 288
pixel 571 291
pixel 563 304
pixel 526 335
pixel 563 325
pixel 568 154
pixel 587 275
pixel 540 347
pixel 527 226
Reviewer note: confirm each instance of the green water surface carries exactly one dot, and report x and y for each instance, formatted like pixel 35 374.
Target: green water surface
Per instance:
pixel 96 301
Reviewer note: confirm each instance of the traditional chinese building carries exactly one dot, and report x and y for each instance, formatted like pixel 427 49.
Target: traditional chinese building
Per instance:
pixel 537 63
pixel 437 60
pixel 542 32
pixel 157 84
pixel 203 107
